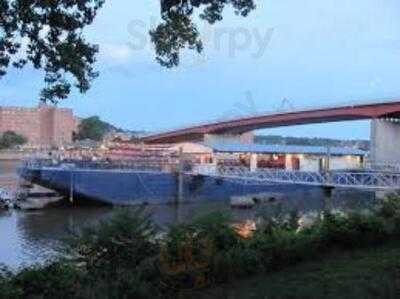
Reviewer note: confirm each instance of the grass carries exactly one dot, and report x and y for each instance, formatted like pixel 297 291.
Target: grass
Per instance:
pixel 363 273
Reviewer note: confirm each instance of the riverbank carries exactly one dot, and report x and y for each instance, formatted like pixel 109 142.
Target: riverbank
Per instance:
pixel 128 256
pixel 8 174
pixel 372 272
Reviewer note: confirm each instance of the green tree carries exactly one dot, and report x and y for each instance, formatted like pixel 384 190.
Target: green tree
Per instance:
pixel 51 32
pixel 53 40
pixel 10 139
pixel 177 30
pixel 93 128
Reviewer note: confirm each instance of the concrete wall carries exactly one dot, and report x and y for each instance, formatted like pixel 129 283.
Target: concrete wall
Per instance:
pixel 309 163
pixel 345 162
pixel 385 141
pixel 312 163
pixel 64 123
pixel 245 138
pixel 192 148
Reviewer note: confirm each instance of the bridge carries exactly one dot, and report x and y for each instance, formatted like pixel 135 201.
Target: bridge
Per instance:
pixel 363 180
pixel 384 116
pixel 377 110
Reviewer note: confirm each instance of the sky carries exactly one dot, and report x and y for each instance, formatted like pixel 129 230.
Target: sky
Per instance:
pixel 285 55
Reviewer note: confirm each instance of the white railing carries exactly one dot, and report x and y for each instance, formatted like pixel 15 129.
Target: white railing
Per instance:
pixel 143 164
pixel 366 180
pixel 204 169
pixel 351 179
pixel 392 166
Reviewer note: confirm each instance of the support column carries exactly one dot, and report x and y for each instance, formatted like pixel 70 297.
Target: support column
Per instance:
pixel 380 195
pixel 71 187
pixel 385 141
pixel 328 159
pixel 327 198
pixel 288 162
pixel 253 162
pixel 180 177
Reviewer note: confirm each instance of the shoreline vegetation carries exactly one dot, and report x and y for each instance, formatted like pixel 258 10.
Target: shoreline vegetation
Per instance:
pixel 128 256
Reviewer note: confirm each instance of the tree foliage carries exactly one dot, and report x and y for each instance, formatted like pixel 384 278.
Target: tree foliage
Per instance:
pixel 48 35
pixel 177 31
pixel 93 128
pixel 10 139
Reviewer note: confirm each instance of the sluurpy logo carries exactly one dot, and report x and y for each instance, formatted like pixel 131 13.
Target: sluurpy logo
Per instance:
pixel 217 40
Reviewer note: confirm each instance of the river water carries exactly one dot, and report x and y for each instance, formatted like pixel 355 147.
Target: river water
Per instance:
pixel 29 237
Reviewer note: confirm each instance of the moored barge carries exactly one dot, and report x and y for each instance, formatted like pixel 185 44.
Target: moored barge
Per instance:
pixel 128 184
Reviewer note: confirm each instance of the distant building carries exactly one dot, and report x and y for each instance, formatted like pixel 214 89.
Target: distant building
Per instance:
pixel 290 157
pixel 252 156
pixel 43 126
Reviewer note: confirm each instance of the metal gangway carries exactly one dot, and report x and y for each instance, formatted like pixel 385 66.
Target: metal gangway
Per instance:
pixel 360 179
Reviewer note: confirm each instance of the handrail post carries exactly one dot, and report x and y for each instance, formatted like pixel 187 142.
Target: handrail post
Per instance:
pixel 71 188
pixel 180 177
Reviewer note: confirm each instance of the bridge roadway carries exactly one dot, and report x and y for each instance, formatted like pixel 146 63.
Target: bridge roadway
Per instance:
pixel 371 110
pixel 363 179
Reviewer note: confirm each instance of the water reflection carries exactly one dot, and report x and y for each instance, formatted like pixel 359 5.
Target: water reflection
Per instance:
pixel 31 237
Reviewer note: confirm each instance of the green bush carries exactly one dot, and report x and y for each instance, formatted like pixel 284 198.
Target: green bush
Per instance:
pixel 50 281
pixel 7 285
pixel 235 262
pixel 217 226
pixel 123 241
pixel 118 256
pixel 277 216
pixel 352 230
pixel 389 210
pixel 125 256
pixel 390 206
pixel 283 248
pixel 188 251
pixel 10 139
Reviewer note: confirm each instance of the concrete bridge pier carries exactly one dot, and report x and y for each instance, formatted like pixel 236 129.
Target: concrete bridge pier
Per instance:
pixel 385 141
pixel 253 162
pixel 244 138
pixel 382 194
pixel 327 199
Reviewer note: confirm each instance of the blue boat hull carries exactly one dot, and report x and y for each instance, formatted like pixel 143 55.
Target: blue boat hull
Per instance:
pixel 132 187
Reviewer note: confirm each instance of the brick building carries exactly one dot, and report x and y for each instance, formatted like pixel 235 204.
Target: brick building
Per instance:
pixel 43 126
